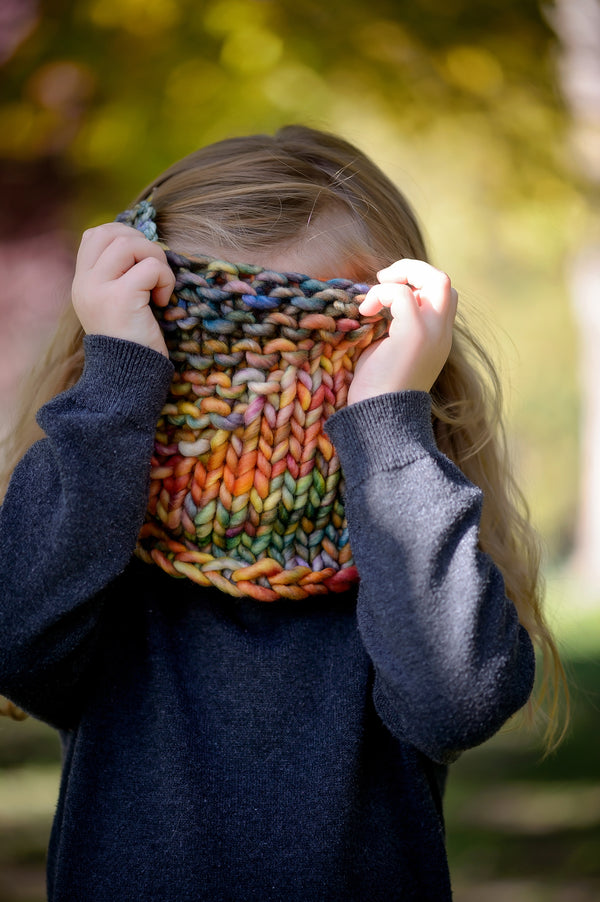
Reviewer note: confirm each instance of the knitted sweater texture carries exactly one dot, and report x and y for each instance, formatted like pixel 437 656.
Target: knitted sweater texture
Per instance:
pixel 218 748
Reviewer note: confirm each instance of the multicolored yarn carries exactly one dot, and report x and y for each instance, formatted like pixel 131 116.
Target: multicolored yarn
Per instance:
pixel 246 488
pixel 141 217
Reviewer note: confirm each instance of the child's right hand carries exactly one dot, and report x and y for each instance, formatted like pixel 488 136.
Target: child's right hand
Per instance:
pixel 117 272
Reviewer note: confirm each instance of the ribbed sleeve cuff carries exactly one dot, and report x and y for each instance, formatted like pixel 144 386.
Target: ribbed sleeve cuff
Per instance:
pixel 130 377
pixel 119 377
pixel 382 433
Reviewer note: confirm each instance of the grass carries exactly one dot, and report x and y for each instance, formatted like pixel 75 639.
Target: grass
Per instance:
pixel 526 829
pixel 521 827
pixel 29 775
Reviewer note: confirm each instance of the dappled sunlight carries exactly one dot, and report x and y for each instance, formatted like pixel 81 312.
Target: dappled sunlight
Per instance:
pixel 141 17
pixel 286 84
pixel 192 82
pixel 387 41
pixel 475 69
pixel 102 139
pixel 254 49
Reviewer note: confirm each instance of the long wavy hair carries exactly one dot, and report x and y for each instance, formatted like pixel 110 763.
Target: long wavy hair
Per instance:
pixel 314 196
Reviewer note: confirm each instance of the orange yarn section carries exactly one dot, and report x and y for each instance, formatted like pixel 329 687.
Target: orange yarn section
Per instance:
pixel 246 488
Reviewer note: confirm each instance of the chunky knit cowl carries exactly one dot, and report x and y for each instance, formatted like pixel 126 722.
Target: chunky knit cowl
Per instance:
pixel 246 488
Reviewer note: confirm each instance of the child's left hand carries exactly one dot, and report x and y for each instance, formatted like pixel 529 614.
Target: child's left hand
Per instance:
pixel 423 305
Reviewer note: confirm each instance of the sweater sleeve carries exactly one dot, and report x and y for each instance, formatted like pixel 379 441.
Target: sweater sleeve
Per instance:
pixel 70 519
pixel 452 663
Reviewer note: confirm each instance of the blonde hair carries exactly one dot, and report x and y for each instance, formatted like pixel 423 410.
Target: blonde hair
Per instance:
pixel 317 196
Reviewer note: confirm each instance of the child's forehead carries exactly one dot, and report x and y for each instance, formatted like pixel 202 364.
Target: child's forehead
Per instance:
pixel 325 249
pixel 330 245
pixel 288 260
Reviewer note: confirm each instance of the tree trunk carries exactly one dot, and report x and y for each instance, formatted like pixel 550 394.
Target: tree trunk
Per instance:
pixel 577 24
pixel 585 286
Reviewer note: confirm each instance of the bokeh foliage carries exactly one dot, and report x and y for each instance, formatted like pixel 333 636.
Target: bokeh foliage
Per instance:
pixel 457 101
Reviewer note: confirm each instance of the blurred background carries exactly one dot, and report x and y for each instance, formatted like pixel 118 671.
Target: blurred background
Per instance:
pixel 487 115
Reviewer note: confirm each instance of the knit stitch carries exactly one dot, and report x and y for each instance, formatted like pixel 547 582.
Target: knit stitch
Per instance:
pixel 246 488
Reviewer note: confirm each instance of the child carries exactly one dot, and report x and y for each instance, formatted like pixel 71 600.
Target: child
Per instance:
pixel 216 746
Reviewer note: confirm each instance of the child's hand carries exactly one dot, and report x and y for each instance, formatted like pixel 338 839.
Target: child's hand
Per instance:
pixel 117 272
pixel 423 306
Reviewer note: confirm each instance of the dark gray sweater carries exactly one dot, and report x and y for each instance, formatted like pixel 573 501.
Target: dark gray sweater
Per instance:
pixel 225 749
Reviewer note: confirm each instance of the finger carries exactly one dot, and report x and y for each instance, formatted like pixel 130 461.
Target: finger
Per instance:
pixel 384 295
pixel 95 241
pixel 164 288
pixel 425 279
pixel 150 276
pixel 124 252
pixel 165 285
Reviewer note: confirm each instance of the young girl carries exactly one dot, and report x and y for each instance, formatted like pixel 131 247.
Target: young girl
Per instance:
pixel 252 707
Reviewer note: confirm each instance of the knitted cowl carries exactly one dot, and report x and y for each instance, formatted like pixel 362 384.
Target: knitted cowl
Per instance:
pixel 246 488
